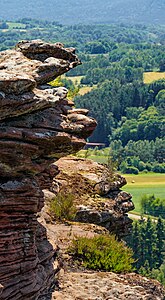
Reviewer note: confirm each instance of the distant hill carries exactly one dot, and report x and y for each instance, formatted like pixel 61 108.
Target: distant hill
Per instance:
pixel 86 11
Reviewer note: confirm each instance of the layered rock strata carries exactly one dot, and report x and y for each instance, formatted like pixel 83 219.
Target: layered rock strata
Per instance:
pixel 97 192
pixel 38 124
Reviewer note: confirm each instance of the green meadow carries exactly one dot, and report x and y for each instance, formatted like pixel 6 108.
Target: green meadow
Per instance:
pixel 141 184
pixel 100 156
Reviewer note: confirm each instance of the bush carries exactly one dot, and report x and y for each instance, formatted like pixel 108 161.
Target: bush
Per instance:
pixel 132 170
pixel 62 206
pixel 103 252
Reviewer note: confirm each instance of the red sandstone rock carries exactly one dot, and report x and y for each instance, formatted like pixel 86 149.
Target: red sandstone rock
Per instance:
pixel 35 130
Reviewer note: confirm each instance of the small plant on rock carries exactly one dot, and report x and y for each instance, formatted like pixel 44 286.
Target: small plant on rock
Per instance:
pixel 103 253
pixel 62 206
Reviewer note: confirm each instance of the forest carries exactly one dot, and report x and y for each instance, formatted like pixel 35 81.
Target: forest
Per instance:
pixel 77 11
pixel 147 241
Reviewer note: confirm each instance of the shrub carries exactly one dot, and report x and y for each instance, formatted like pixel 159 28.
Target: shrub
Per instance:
pixel 103 252
pixel 62 206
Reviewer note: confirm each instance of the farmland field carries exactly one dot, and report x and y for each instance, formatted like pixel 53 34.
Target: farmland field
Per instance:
pixel 149 184
pixel 85 89
pixel 149 77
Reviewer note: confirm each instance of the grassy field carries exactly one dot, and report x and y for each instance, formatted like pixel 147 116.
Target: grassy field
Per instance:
pixel 76 81
pixel 85 89
pixel 14 25
pixel 149 77
pixel 138 185
pixel 102 159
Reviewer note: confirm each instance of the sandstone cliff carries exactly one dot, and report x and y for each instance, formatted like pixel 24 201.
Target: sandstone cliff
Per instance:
pixel 37 126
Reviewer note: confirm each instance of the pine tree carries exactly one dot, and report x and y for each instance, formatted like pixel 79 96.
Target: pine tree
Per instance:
pixel 143 250
pixel 150 243
pixel 136 244
pixel 160 241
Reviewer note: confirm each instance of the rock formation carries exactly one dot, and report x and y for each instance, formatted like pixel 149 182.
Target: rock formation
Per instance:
pixel 97 193
pixel 37 126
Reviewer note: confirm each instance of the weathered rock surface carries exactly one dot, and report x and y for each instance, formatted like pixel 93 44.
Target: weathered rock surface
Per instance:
pixel 75 283
pixel 97 192
pixel 37 127
pixel 107 286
